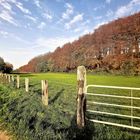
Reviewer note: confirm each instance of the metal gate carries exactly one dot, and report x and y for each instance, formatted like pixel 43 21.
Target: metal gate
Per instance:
pixel 130 98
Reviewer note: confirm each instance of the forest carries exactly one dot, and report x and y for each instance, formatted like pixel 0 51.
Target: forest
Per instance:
pixel 113 47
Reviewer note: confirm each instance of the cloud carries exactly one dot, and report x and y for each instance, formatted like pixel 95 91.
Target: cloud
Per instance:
pixel 47 16
pixel 6 13
pixel 99 24
pixel 75 19
pixel 50 44
pixel 21 49
pixel 86 31
pixel 12 54
pixel 68 12
pixel 98 17
pixel 6 16
pixel 41 25
pixel 109 13
pixel 4 34
pixel 37 3
pixel 31 18
pixel 12 1
pixel 82 28
pixel 127 9
pixel 28 50
pixel 13 36
pixel 108 1
pixel 20 6
pixel 99 7
pixel 6 5
pixel 77 30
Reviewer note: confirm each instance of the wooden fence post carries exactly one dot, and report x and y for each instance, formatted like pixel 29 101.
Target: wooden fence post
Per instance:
pixel 6 78
pixel 9 78
pixel 17 81
pixel 12 78
pixel 1 78
pixel 42 86
pixel 45 92
pixel 81 98
pixel 27 84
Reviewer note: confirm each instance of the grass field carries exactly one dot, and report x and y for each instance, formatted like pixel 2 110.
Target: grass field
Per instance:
pixel 24 115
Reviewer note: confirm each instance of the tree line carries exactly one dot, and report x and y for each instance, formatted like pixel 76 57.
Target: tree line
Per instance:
pixel 112 47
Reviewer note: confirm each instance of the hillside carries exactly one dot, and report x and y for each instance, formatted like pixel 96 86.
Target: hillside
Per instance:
pixel 111 47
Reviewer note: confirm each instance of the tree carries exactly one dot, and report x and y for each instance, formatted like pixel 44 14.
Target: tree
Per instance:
pixel 5 66
pixel 42 67
pixel 8 68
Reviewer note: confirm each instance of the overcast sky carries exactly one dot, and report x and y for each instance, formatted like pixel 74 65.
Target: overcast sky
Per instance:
pixel 32 27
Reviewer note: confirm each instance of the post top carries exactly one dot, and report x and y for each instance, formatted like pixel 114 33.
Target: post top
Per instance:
pixel 81 73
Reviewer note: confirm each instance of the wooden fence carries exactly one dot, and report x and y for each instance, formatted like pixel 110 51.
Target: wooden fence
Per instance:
pixel 81 98
pixel 15 81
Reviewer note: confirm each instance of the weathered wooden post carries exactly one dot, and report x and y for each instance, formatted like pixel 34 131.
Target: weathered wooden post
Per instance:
pixel 9 78
pixel 81 98
pixel 17 81
pixel 1 78
pixel 45 92
pixel 42 86
pixel 12 78
pixel 6 78
pixel 27 84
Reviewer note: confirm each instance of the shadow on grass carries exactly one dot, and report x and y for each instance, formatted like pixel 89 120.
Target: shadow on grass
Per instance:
pixel 74 133
pixel 56 96
pixel 35 84
pixel 86 133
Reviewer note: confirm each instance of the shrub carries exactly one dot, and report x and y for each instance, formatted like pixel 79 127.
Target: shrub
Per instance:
pixel 128 68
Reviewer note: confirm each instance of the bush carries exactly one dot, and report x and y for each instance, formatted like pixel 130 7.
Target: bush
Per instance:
pixel 27 118
pixel 128 68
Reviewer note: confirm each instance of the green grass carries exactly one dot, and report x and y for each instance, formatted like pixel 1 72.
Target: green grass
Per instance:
pixel 91 79
pixel 25 115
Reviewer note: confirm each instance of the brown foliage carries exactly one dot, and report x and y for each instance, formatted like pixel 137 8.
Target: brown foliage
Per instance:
pixel 108 46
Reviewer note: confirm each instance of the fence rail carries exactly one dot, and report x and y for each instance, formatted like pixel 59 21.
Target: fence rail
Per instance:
pixel 113 105
pixel 113 87
pixel 131 98
pixel 115 124
pixel 114 96
pixel 113 114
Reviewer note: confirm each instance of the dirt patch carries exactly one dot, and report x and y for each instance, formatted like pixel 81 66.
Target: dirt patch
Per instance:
pixel 4 136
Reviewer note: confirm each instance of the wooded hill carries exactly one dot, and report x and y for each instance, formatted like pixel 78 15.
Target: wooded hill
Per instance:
pixel 112 47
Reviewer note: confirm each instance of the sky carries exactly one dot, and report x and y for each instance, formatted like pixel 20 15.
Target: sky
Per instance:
pixel 32 27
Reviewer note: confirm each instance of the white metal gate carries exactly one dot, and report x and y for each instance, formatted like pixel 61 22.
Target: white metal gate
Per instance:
pixel 131 107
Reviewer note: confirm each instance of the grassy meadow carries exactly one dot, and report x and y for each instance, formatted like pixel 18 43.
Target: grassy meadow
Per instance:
pixel 25 117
